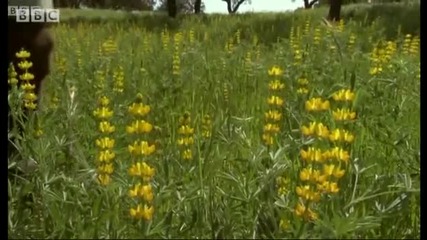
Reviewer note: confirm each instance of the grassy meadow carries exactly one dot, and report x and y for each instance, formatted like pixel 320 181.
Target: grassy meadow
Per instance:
pixel 199 132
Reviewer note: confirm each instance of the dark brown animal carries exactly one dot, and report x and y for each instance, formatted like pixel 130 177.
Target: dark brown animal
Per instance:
pixel 36 39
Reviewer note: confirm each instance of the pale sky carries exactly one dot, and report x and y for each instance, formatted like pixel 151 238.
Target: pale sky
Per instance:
pixel 219 6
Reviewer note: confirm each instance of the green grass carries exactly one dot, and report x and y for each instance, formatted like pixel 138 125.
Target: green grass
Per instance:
pixel 228 189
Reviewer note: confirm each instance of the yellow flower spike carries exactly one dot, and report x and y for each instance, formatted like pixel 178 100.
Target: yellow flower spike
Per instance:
pixel 137 212
pixel 302 81
pixel 340 154
pixel 105 143
pixel 106 156
pixel 268 139
pixel 139 126
pixel 142 170
pixel 139 109
pixel 322 130
pixel 188 141
pixel 103 113
pixel 275 71
pixel 30 96
pixel 30 105
pixel 276 85
pixel 273 115
pixel 24 65
pixel 148 212
pixel 187 154
pixel 343 114
pixel 104 179
pixel 305 174
pixel 302 90
pixel 316 104
pixel 312 155
pixel 343 95
pixel 26 76
pixel 104 101
pixel 134 192
pixel 38 132
pixel 106 168
pixel 23 54
pixel 271 128
pixel 141 148
pixel 299 209
pixel 338 173
pixel 275 100
pixel 106 127
pixel 284 224
pixel 185 130
pixel 146 192
pixel 28 87
pixel 328 169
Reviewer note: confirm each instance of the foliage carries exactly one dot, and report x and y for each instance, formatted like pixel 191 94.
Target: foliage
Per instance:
pixel 212 94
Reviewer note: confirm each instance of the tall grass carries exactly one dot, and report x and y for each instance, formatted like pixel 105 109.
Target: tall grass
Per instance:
pixel 201 106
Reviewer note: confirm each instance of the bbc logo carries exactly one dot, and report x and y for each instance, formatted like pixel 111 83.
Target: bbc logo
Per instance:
pixel 33 14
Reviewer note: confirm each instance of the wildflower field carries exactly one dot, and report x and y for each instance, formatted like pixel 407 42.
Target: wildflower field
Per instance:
pixel 187 134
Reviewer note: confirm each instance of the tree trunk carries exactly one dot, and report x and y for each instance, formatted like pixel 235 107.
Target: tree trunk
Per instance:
pixel 310 4
pixel 197 6
pixel 335 10
pixel 172 10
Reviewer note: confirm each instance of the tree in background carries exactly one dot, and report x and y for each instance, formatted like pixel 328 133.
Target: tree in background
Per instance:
pixel 197 6
pixel 233 5
pixel 334 10
pixel 172 8
pixel 184 6
pixel 309 4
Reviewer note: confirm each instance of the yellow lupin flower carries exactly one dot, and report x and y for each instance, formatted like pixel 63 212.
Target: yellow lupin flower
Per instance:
pixel 139 126
pixel 142 170
pixel 302 90
pixel 316 104
pixel 312 154
pixel 273 115
pixel 339 154
pixel 104 101
pixel 275 71
pixel 105 143
pixel 106 127
pixel 103 113
pixel 185 130
pixel 106 156
pixel 23 54
pixel 186 141
pixel 140 212
pixel 28 87
pixel 341 135
pixel 343 114
pixel 302 81
pixel 268 139
pixel 141 148
pixel 276 85
pixel 275 100
pixel 343 95
pixel 104 179
pixel 24 65
pixel 26 76
pixel 139 109
pixel 146 192
pixel 30 96
pixel 187 154
pixel 106 168
pixel 271 128
pixel 306 213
